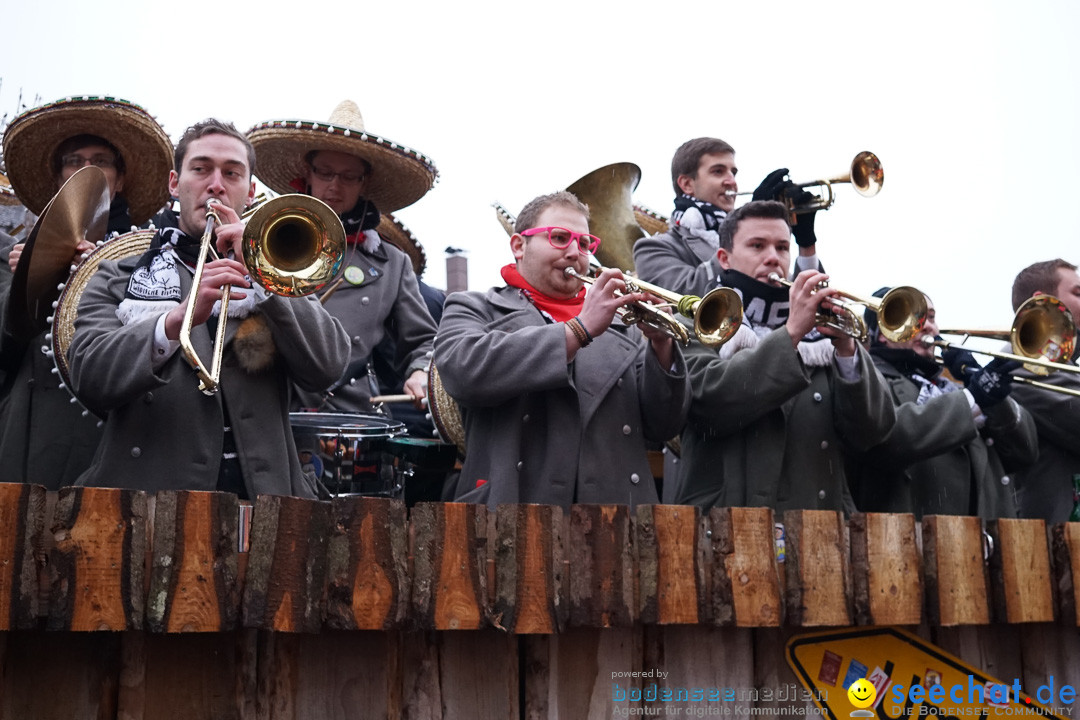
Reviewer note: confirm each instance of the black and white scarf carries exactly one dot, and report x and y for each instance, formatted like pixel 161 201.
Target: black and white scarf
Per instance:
pixel 154 285
pixel 923 371
pixel 766 308
pixel 698 218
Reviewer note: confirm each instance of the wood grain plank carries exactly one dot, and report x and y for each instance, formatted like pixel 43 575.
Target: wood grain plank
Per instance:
pixel 98 563
pixel 956 574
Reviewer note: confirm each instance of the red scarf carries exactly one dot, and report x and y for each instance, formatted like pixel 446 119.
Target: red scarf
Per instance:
pixel 558 308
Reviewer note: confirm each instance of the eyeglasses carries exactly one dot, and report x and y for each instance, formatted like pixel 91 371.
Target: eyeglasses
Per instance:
pixel 347 178
pixel 75 160
pixel 560 238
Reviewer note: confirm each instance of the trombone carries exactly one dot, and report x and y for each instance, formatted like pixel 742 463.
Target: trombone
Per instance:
pixel 1042 338
pixel 901 312
pixel 716 316
pixel 293 245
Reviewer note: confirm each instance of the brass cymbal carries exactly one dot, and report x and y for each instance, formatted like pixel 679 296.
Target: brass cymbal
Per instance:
pixel 79 211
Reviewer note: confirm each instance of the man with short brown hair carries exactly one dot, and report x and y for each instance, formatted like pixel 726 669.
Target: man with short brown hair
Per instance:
pixel 557 400
pixel 1050 488
pixel 161 431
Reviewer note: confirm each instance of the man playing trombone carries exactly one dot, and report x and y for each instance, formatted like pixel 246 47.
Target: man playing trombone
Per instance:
pixel 954 450
pixel 1051 486
pixel 775 410
pixel 161 431
pixel 557 400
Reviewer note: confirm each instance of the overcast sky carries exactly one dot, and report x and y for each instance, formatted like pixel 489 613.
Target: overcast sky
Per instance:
pixel 971 106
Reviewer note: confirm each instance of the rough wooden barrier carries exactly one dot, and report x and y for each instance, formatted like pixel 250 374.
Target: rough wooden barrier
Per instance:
pixel 193 579
pixel 1020 567
pixel 286 572
pixel 887 570
pixel 601 566
pixel 22 516
pixel 98 564
pixel 1066 553
pixel 670 572
pixel 367 571
pixel 956 575
pixel 746 552
pixel 449 550
pixel 529 583
pixel 818 577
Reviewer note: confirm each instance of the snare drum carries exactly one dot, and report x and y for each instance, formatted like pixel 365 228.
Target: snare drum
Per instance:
pixel 349 453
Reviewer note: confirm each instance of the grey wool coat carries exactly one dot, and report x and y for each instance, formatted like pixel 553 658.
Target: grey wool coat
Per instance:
pixel 161 431
pixel 45 439
pixel 936 462
pixel 1046 487
pixel 387 302
pixel 678 261
pixel 766 428
pixel 540 430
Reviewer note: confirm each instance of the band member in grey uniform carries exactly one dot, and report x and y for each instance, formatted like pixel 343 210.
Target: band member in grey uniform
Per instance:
pixel 359 175
pixel 161 430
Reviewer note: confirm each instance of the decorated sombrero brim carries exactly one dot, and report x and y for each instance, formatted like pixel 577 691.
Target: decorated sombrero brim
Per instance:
pixel 394 232
pixel 650 221
pixel 33 137
pixel 399 175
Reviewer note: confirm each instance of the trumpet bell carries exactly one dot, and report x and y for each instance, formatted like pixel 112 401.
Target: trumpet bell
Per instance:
pixel 867 175
pixel 902 313
pixel 293 245
pixel 717 316
pixel 1043 328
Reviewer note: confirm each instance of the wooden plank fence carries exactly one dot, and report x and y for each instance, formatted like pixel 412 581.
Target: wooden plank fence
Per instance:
pixel 119 604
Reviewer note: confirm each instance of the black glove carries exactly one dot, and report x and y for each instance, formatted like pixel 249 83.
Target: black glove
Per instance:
pixel 776 186
pixel 992 384
pixel 960 362
pixel 804 228
pixel 773 186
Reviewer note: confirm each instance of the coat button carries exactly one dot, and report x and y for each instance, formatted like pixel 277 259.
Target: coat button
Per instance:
pixel 625 429
pixel 520 465
pixel 619 382
pixel 365 301
pixel 525 418
pixel 136 452
pixel 635 478
pixel 1005 479
pixel 989 442
pixel 824 444
pixel 820 494
pixel 817 397
pixel 148 397
pixel 356 340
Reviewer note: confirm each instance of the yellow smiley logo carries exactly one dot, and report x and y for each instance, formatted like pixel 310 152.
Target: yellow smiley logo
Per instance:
pixel 862 693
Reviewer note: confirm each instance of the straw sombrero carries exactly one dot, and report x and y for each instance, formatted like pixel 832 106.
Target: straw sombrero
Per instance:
pixel 399 175
pixel 394 232
pixel 33 137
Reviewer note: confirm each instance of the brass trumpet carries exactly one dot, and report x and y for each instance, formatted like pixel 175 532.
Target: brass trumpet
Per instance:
pixel 1042 336
pixel 716 316
pixel 293 245
pixel 901 312
pixel 866 176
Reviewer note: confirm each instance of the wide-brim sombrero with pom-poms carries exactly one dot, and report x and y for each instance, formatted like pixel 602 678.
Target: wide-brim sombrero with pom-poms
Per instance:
pixel 33 137
pixel 394 232
pixel 399 175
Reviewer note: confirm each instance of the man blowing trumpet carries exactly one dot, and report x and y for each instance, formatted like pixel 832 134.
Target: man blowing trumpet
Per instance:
pixel 557 400
pixel 775 409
